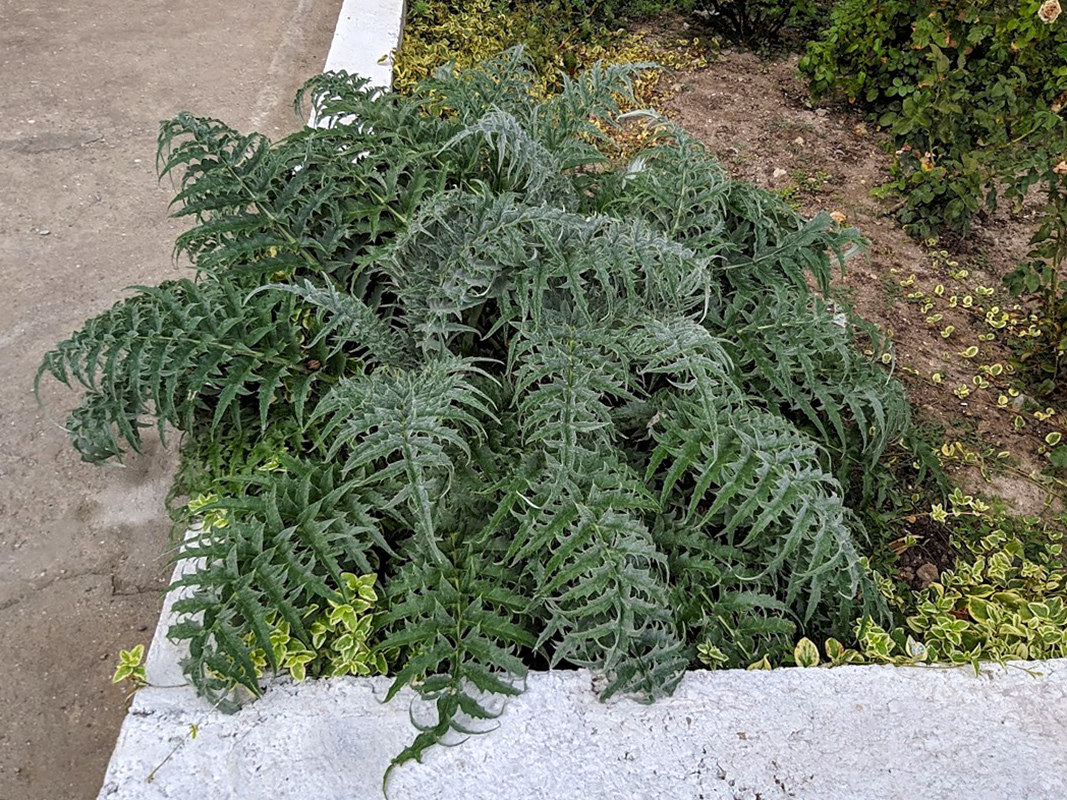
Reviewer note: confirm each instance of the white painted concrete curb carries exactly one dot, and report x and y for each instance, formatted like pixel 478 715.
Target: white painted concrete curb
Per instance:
pixel 367 33
pixel 851 733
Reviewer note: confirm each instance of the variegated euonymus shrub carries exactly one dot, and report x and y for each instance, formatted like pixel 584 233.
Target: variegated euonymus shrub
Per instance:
pixel 459 397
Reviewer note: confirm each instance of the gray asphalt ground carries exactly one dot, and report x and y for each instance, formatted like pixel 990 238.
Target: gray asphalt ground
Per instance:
pixel 83 87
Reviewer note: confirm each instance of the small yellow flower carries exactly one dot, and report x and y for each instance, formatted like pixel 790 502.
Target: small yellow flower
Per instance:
pixel 1049 11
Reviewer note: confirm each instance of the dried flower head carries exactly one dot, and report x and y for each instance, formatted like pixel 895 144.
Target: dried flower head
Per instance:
pixel 1061 168
pixel 1049 11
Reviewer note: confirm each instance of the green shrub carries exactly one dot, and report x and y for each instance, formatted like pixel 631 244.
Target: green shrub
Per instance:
pixel 1004 599
pixel 972 92
pixel 468 32
pixel 1045 356
pixel 1002 603
pixel 756 22
pixel 558 410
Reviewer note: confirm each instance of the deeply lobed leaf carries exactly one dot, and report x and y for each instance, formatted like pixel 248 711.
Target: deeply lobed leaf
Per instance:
pixel 565 411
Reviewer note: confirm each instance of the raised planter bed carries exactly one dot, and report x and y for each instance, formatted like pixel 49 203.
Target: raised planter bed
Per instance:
pixel 848 732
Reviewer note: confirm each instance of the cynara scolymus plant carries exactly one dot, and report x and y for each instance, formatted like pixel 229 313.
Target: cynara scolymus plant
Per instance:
pixel 566 412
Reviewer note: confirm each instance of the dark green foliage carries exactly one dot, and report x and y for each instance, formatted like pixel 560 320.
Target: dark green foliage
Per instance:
pixel 461 622
pixel 755 23
pixel 972 93
pixel 1040 276
pixel 567 411
pixel 186 353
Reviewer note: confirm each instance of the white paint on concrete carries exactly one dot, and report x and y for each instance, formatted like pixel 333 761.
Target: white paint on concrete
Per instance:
pixel 848 733
pixel 367 33
pixel 366 38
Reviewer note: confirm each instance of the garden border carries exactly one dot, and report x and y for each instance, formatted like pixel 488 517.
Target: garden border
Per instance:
pixel 849 732
pixel 844 733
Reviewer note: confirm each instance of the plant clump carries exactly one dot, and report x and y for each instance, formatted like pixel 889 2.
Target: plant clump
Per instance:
pixel 758 23
pixel 460 396
pixel 1004 599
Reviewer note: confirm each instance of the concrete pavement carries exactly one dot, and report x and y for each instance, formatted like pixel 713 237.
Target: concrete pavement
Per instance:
pixel 82 216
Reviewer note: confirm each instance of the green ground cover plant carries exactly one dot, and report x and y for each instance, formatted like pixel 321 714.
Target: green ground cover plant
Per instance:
pixel 1005 598
pixel 559 38
pixel 460 396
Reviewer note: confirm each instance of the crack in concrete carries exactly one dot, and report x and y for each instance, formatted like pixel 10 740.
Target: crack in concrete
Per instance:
pixel 38 587
pixel 120 588
pixel 50 142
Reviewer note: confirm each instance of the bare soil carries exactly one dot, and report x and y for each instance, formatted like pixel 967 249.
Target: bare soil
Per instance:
pixel 82 217
pixel 755 116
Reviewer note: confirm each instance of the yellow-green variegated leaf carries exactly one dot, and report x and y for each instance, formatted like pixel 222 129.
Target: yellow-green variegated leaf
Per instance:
pixel 806 654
